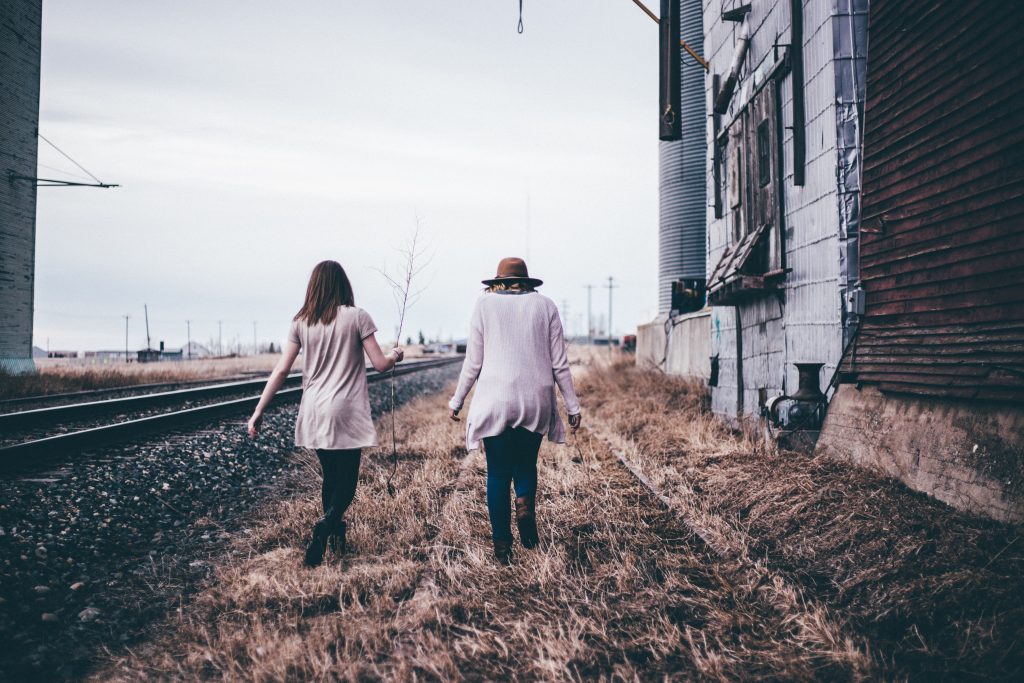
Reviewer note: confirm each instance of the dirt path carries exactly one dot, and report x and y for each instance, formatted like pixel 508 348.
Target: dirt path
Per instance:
pixel 619 587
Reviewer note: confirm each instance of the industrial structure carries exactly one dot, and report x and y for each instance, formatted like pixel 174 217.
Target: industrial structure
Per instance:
pixel 677 338
pixel 682 226
pixel 890 318
pixel 786 93
pixel 20 40
pixel 931 389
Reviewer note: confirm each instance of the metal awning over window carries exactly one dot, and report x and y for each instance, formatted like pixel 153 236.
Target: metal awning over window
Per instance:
pixel 731 277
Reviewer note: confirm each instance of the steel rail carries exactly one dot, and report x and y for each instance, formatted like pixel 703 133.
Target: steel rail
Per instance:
pixel 87 393
pixel 61 413
pixel 29 453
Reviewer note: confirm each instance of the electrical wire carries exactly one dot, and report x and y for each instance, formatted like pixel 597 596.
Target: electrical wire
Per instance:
pixel 68 157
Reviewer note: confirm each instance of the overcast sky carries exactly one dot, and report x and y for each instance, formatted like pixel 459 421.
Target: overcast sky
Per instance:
pixel 254 139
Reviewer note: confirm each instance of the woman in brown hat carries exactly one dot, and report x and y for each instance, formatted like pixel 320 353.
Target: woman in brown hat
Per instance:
pixel 334 415
pixel 515 357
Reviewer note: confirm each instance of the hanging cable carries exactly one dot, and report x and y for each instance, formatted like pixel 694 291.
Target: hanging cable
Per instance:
pixel 519 27
pixel 66 156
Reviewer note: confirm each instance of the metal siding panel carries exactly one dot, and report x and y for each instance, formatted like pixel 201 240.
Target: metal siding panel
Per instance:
pixel 943 197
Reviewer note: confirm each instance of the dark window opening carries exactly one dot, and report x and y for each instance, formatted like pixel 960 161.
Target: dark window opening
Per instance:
pixel 764 154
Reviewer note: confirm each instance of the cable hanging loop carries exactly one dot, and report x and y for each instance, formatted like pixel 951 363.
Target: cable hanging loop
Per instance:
pixel 519 26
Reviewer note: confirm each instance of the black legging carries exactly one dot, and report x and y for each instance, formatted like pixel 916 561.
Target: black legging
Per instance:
pixel 341 474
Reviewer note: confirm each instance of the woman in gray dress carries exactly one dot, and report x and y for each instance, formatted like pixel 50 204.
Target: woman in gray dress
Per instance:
pixel 334 415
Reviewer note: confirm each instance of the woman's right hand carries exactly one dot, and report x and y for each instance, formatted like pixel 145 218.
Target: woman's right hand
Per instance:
pixel 575 421
pixel 398 353
pixel 255 422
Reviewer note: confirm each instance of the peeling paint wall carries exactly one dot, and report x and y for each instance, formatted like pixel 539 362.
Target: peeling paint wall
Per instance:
pixel 806 322
pixel 20 31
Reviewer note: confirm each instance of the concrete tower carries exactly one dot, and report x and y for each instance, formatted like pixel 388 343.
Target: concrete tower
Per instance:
pixel 20 38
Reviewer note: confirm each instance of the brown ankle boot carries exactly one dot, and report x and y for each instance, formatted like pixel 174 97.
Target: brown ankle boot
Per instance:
pixel 526 520
pixel 503 552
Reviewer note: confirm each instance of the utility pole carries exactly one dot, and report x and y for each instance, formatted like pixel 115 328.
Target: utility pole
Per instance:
pixel 220 337
pixel 565 316
pixel 255 345
pixel 188 323
pixel 145 307
pixel 590 324
pixel 126 317
pixel 611 286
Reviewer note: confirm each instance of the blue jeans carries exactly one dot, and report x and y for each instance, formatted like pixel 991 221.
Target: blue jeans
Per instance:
pixel 511 457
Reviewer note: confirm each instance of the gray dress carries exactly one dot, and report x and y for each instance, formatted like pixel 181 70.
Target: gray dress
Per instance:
pixel 335 408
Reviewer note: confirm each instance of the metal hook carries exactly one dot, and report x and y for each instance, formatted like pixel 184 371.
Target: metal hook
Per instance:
pixel 668 116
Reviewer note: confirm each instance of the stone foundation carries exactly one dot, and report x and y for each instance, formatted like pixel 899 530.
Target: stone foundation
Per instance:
pixel 969 455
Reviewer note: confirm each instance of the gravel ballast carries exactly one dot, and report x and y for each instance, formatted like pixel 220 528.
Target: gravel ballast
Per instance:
pixel 93 552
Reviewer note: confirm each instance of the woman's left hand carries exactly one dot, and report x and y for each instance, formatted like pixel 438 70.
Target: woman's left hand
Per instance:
pixel 255 422
pixel 575 421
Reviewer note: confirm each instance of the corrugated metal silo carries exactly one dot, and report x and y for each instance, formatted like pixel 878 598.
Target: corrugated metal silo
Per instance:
pixel 682 190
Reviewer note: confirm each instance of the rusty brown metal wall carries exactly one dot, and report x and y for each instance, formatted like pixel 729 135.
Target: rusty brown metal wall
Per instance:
pixel 942 242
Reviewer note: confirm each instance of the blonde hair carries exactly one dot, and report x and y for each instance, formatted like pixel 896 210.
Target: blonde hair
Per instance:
pixel 515 286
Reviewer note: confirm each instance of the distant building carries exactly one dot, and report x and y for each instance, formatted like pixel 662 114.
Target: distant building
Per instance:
pixel 103 356
pixel 20 40
pixel 196 350
pixel 160 354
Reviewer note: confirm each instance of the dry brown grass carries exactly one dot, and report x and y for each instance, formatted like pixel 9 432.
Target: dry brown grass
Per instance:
pixel 939 594
pixel 619 589
pixel 60 376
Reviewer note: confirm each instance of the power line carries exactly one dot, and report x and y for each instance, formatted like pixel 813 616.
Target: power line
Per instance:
pixel 590 324
pixel 611 286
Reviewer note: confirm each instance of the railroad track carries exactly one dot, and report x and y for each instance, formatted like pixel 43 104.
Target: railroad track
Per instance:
pixel 31 452
pixel 49 400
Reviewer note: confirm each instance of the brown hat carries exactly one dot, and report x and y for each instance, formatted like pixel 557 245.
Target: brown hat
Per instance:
pixel 511 270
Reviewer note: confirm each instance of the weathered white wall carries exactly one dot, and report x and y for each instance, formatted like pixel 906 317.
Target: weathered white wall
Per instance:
pixel 19 121
pixel 679 346
pixel 808 325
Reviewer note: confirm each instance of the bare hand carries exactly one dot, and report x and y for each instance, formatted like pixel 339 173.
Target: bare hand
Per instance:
pixel 398 353
pixel 255 422
pixel 455 416
pixel 575 421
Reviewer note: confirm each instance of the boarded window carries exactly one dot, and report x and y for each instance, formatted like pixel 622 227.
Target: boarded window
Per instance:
pixel 755 249
pixel 734 173
pixel 764 154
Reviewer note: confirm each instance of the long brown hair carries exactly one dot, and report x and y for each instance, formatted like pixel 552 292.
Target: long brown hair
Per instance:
pixel 328 288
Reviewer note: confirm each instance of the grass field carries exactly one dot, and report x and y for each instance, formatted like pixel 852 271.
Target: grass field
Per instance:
pixel 59 375
pixel 834 574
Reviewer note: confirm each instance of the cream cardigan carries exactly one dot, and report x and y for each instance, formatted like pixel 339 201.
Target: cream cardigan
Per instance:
pixel 515 356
